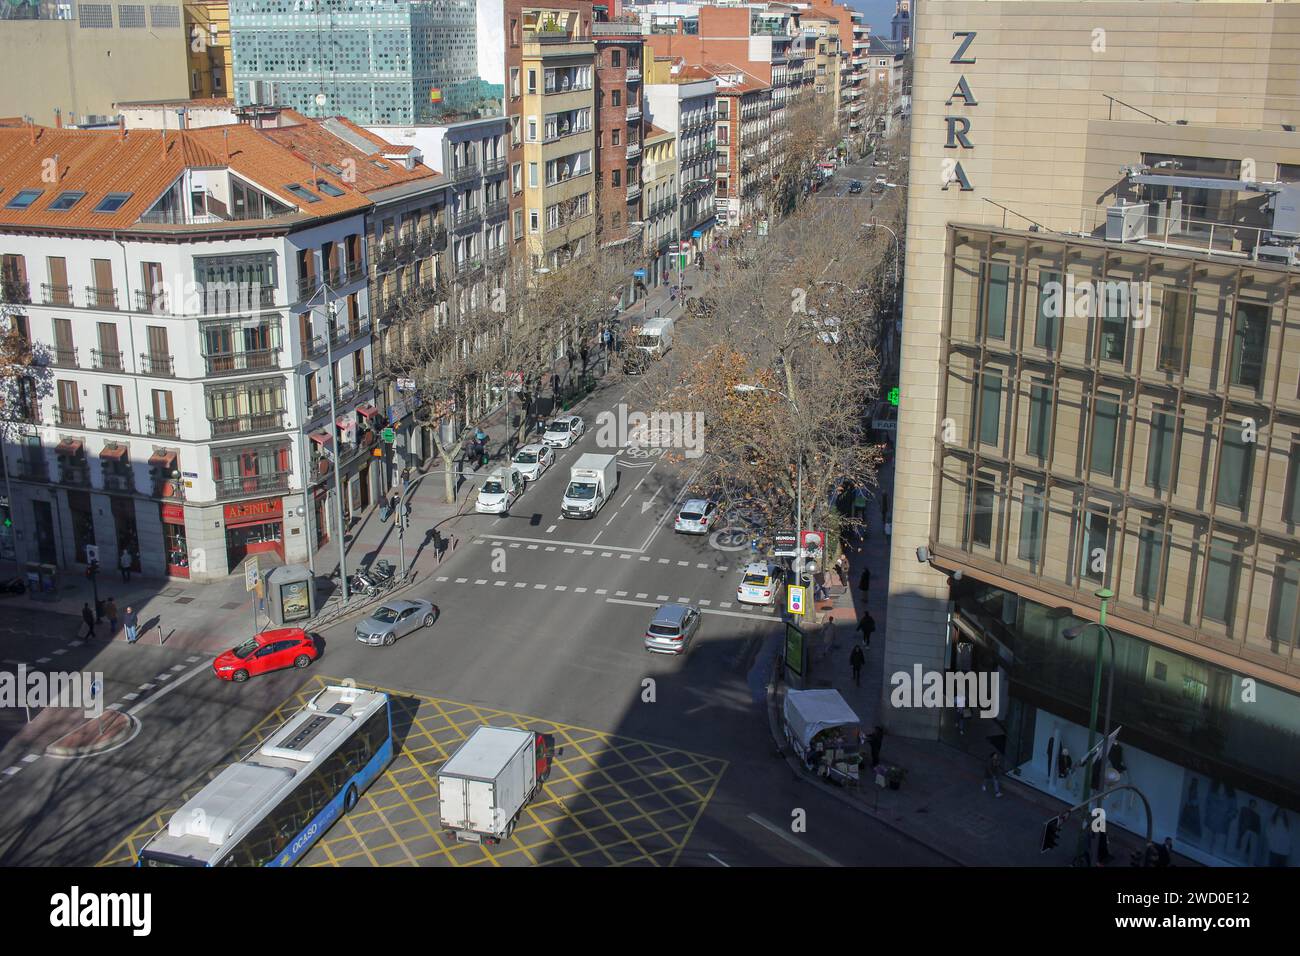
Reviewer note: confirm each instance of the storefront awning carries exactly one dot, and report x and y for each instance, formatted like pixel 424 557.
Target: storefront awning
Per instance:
pixel 113 452
pixel 162 458
pixel 324 439
pixel 368 411
pixel 69 446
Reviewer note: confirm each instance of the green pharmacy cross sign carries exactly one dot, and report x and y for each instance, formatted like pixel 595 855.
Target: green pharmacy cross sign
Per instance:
pixel 388 435
pixel 893 396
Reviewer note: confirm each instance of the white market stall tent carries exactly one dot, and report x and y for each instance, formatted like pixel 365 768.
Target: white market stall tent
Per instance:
pixel 809 712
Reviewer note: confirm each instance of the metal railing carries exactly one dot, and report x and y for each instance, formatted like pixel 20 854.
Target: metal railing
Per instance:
pixel 254 360
pixel 239 297
pixel 494 167
pixel 56 294
pixel 74 474
pixel 114 481
pixel 464 172
pixel 497 207
pixel 97 298
pixel 65 357
pixel 154 303
pixel 114 421
pixel 33 469
pixel 160 365
pixel 252 485
pixel 106 361
pixel 468 216
pixel 163 427
pixel 248 424
pixel 69 417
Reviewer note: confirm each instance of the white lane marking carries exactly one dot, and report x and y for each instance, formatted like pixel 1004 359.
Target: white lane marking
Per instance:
pixel 192 659
pixel 31 758
pixel 146 687
pixel 560 587
pixel 441 579
pixel 539 587
pixel 496 544
pixel 39 660
pixel 604 554
pixel 683 600
pixel 163 677
pixel 587 553
pixel 515 545
pixel 789 838
pixel 521 584
pixel 639 484
pixel 576 544
pixel 719 862
pixel 551 528
pixel 532 547
pixel 625 557
pixel 461 580
pixel 551 548
pixel 178 667
pixel 131 696
pixel 683 564
pixel 662 597
pixel 10 771
pixel 60 650
pixel 154 698
pixel 705 601
pixel 650 502
pixel 577 590
pixel 481 581
pixel 568 550
pixel 702 567
pixel 621 593
pixel 667 511
pixel 641 595
pixel 724 604
pixel 499 584
pixel 644 557
pixel 604 591
pixel 611 519
pixel 75 643
pixel 664 561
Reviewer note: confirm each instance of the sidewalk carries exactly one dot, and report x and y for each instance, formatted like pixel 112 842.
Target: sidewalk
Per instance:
pixel 940 803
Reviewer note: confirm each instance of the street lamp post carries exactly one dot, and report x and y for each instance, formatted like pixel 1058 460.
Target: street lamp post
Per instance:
pixel 1071 633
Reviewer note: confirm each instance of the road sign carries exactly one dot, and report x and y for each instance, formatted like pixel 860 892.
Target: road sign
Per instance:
pixel 893 395
pixel 388 435
pixel 406 384
pixel 251 576
pixel 794 599
pixel 785 544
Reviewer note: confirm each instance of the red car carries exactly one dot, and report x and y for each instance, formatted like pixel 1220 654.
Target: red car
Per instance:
pixel 269 651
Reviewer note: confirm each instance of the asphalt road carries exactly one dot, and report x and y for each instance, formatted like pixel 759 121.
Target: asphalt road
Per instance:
pixel 540 616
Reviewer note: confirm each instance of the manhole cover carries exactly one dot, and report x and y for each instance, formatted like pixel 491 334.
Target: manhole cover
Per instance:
pixel 231 605
pixel 184 600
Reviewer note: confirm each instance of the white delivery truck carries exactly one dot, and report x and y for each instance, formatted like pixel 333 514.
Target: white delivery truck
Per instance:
pixel 592 481
pixel 654 337
pixel 489 780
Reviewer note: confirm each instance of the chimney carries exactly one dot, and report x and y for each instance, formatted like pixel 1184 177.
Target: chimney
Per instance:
pixel 225 145
pixel 121 128
pixel 58 118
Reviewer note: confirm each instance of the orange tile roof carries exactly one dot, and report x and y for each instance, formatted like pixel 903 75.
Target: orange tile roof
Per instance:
pixel 315 144
pixel 145 163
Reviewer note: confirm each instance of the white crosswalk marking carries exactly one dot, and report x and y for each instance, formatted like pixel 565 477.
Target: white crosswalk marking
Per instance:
pixel 683 600
pixel 664 561
pixel 604 591
pixel 178 667
pixel 521 584
pixel 579 590
pixel 625 557
pixel 644 557
pixel 568 551
pixel 147 686
pixel 163 677
pixel 532 547
pixel 683 564
pixel 461 580
pixel 539 587
pixel 499 584
pixel 496 544
pixel 444 579
pixel 642 596
pixel 193 660
pixel 704 601
pixel 131 696
pixel 588 552
pixel 60 650
pixel 662 597
pixel 481 581
pixel 551 548
pixel 724 604
pixel 514 544
pixel 561 587
pixel 622 594
pixel 605 554
pixel 702 567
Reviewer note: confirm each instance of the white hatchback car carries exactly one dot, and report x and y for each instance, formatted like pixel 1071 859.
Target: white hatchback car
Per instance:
pixel 761 584
pixel 501 489
pixel 533 460
pixel 697 517
pixel 562 432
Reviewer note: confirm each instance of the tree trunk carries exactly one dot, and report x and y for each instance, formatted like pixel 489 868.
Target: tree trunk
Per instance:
pixel 449 465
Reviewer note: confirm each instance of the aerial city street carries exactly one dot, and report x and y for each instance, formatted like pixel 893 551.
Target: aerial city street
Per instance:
pixel 714 435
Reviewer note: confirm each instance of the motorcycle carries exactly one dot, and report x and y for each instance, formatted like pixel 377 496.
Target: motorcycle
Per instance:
pixel 381 573
pixel 362 583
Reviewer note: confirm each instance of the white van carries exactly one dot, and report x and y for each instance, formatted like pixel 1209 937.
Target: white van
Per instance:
pixel 654 337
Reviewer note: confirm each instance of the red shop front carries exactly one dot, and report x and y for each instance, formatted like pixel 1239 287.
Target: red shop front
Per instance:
pixel 254 527
pixel 174 544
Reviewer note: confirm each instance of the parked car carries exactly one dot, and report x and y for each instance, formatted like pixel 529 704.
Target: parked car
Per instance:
pixel 396 619
pixel 499 491
pixel 563 431
pixel 760 584
pixel 855 187
pixel 533 460
pixel 698 516
pixel 672 628
pixel 271 650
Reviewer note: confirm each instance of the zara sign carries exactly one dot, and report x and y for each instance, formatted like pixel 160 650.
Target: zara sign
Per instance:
pixel 959 125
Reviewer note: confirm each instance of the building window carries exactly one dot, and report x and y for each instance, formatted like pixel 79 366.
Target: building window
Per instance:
pixel 995 307
pixel 1292 505
pixel 519 223
pixel 533 220
pixel 1105 436
pixel 1221 583
pixel 1173 331
pixel 532 175
pixel 1150 567
pixel 532 129
pixel 1249 339
pixel 517 176
pixel 1113 306
pixel 1284 616
pixel 1047 328
pixel 990 407
pixel 1040 419
pixel 514 81
pixel 615 177
pixel 982 520
pixel 532 81
pixel 1235 461
pixel 1031 525
pixel 616 98
pixel 1160 450
pixel 1096 534
pixel 614 138
pixel 615 58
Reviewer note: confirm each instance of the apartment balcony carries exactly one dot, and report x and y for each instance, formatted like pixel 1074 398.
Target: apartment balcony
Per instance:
pixel 98 298
pixel 633 190
pixel 114 421
pixel 468 217
pixel 354 271
pixel 466 172
pixel 13 291
pixel 69 417
pixel 248 424
pixel 225 363
pixel 150 302
pixel 247 485
pixel 494 167
pixel 162 366
pixel 163 427
pixel 75 472
pixel 240 298
pixel 633 114
pixel 633 150
pixel 497 256
pixel 121 483
pixel 634 74
pixel 497 209
pixel 64 358
pixel 56 294
pixel 33 470
pixel 105 361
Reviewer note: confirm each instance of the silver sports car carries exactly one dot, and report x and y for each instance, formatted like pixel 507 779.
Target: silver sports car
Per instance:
pixel 396 619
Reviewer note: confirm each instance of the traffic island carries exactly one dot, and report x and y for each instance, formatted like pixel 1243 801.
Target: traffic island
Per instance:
pixel 95 735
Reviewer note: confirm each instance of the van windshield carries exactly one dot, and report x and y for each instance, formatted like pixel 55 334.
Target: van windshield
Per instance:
pixel 581 492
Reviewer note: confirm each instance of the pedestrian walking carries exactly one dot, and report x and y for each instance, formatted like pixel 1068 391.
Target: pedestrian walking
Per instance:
pixel 842 569
pixel 875 739
pixel 868 627
pixel 124 563
pixel 856 660
pixel 992 773
pixel 99 610
pixel 87 618
pixel 884 505
pixel 889 528
pixel 132 624
pixel 111 610
pixel 864 582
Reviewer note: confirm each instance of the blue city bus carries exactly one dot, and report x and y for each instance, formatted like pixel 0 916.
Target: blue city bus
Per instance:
pixel 270 808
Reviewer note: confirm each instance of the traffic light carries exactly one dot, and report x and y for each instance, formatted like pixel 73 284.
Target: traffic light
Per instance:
pixel 1051 834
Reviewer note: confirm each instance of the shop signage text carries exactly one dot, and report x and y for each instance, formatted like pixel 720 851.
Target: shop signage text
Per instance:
pixel 959 126
pixel 249 510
